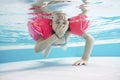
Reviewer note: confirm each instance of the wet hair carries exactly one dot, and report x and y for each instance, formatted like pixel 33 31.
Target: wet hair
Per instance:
pixel 59 13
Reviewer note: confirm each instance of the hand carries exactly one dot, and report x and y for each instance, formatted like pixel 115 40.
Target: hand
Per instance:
pixel 80 62
pixel 61 30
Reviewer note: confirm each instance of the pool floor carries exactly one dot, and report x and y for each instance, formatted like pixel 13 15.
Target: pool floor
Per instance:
pixel 98 68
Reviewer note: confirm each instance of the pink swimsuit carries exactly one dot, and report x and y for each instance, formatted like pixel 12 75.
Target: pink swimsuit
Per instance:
pixel 41 27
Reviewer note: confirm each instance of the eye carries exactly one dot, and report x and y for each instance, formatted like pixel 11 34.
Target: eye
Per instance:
pixel 57 22
pixel 64 22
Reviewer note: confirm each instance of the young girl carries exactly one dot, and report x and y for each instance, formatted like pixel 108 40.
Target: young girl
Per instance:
pixel 54 28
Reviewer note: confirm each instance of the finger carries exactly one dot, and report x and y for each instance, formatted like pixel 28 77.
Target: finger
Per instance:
pixel 76 63
pixel 79 63
pixel 84 63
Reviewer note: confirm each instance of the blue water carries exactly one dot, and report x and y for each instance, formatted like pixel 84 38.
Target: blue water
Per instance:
pixel 17 45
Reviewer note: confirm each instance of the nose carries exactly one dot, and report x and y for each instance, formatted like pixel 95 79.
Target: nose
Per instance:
pixel 61 22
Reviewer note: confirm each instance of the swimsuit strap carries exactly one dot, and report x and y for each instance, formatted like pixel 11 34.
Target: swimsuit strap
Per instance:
pixel 63 43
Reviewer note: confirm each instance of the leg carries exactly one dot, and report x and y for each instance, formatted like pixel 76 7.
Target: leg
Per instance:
pixel 89 42
pixel 67 38
pixel 46 51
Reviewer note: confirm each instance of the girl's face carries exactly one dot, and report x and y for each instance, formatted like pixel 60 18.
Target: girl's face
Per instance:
pixel 59 20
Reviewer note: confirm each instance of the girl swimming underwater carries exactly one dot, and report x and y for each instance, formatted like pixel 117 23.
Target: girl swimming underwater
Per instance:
pixel 54 28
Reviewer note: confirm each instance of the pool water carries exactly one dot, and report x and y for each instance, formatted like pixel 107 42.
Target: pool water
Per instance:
pixel 16 43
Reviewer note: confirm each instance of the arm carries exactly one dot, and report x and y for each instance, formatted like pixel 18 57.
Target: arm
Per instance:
pixel 89 42
pixel 43 44
pixel 46 44
pixel 45 3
